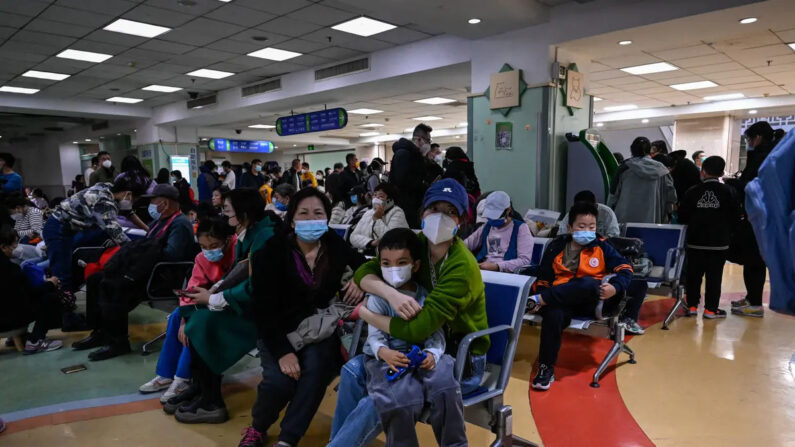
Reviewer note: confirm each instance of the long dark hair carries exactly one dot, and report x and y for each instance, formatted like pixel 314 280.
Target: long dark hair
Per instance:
pixel 298 197
pixel 248 205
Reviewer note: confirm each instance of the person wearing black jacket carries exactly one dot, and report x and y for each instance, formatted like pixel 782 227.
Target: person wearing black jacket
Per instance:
pixel 298 271
pixel 253 178
pixel 710 211
pixel 350 176
pixel 685 173
pixel 408 172
pixel 292 176
pixel 456 160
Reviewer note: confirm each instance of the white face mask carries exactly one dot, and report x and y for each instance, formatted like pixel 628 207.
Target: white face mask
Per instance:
pixel 397 276
pixel 439 228
pixel 106 164
pixel 16 216
pixel 377 202
pixel 438 158
pixel 425 148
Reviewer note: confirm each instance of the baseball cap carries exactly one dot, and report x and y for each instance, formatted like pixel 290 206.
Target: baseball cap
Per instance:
pixel 163 190
pixel 496 204
pixel 447 190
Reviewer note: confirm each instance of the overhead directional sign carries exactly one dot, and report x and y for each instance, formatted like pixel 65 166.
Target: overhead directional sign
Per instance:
pixel 224 145
pixel 320 121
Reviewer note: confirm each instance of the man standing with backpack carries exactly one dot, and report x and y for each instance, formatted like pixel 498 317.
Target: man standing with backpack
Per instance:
pixel 408 171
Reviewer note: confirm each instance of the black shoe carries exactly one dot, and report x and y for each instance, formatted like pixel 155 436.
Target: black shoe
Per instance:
pixel 73 322
pixel 190 395
pixel 544 378
pixel 200 412
pixel 114 349
pixel 94 340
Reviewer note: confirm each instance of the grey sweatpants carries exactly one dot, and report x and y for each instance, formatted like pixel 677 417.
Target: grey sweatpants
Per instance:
pixel 400 403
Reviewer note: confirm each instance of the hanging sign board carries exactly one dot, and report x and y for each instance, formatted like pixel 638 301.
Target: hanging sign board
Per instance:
pixel 320 121
pixel 504 90
pixel 575 89
pixel 224 145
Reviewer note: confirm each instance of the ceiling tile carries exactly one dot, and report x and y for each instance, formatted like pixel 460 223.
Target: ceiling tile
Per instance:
pixel 310 60
pixel 701 61
pixel 328 35
pixel 684 52
pixel 743 80
pixel 337 53
pixel 367 45
pixel 150 75
pixel 402 35
pixel 302 46
pixel 746 42
pixel 717 68
pixel 719 76
pixel 69 15
pixel 112 7
pixel 786 35
pixel 629 60
pixel 321 15
pixel 241 63
pixel 237 46
pixel 158 16
pixel 28 8
pixel 288 27
pixel 276 7
pixel 99 47
pixel 125 40
pixel 775 69
pixel 166 47
pixel 240 15
pixel 59 28
pixel 107 71
pixel 201 6
pixel 248 35
pixel 608 74
pixel 201 32
pixel 14 20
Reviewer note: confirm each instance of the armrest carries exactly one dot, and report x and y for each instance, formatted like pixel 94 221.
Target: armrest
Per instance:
pixel 669 257
pixel 87 254
pixel 165 265
pixel 463 347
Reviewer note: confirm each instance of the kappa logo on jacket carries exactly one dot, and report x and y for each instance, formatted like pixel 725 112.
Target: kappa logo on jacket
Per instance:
pixel 708 200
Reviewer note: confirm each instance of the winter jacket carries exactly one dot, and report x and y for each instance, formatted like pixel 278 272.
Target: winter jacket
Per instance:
pixel 643 192
pixel 467 168
pixel 206 273
pixel 206 183
pixel 17 297
pixel 349 179
pixel 711 212
pixel 368 229
pixel 408 175
pixel 685 176
pixel 185 194
pixel 249 180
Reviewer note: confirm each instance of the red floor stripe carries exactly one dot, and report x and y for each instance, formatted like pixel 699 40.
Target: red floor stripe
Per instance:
pixel 573 413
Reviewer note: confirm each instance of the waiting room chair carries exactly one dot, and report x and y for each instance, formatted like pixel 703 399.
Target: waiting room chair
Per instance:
pixel 165 277
pixel 602 323
pixel 665 246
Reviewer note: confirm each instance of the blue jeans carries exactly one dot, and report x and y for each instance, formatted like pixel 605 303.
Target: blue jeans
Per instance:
pixel 61 242
pixel 174 358
pixel 356 421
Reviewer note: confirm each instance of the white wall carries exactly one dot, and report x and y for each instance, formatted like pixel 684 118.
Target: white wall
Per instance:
pixel 620 140
pixel 39 165
pixel 714 136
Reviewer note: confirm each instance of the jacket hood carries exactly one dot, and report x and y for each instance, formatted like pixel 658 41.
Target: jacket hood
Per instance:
pixel 404 145
pixel 204 169
pixel 645 167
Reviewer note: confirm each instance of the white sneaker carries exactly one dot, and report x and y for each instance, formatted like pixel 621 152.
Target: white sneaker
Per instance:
pixel 177 386
pixel 155 385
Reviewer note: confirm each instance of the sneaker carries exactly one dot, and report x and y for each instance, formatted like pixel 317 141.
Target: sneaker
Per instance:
pixel 691 312
pixel 155 385
pixel 200 413
pixel 749 311
pixel 177 386
pixel 189 395
pixel 718 313
pixel 42 345
pixel 2 425
pixel 740 303
pixel 632 327
pixel 252 438
pixel 533 304
pixel 544 378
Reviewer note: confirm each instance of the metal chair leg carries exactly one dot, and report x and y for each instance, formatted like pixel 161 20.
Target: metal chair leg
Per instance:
pixel 629 352
pixel 679 303
pixel 611 355
pixel 146 345
pixel 503 428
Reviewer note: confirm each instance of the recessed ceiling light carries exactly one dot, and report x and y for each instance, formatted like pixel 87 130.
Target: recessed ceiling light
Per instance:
pixel 274 54
pixel 724 97
pixel 45 75
pixel 372 125
pixel 600 124
pixel 408 129
pixel 124 100
pixel 212 74
pixel 792 45
pixel 364 26
pixel 369 134
pixel 644 120
pixel 365 111
pixel 457 137
pixel 463 124
pixel 87 56
pixel 161 88
pixel 752 112
pixel 621 108
pixel 261 126
pixel 435 101
pixel 658 67
pixel 427 118
pixel 88 139
pixel 625 42
pixel 596 99
pixel 225 1
pixel 748 20
pixel 24 91
pixel 75 142
pixel 136 28
pixel 473 21
pixel 693 85
pixel 295 145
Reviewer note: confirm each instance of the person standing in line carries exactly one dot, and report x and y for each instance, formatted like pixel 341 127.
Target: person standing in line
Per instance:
pixel 351 176
pixel 253 178
pixel 408 171
pixel 698 158
pixel 105 173
pixel 229 175
pixel 710 212
pixel 292 176
pixel 90 170
pixel 306 175
pixel 10 181
pixel 334 183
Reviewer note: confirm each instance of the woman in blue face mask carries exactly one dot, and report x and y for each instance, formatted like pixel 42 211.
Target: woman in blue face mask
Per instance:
pixel 298 272
pixel 280 200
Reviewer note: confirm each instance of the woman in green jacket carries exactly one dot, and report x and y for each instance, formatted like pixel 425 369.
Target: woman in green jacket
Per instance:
pixel 220 327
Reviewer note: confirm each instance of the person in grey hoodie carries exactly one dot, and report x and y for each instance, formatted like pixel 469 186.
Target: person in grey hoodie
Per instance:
pixel 642 190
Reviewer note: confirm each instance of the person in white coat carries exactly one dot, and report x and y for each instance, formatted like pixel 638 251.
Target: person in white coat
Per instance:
pixel 383 216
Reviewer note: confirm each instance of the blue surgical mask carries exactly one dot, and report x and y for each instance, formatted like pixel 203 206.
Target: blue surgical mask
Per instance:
pixel 279 205
pixel 310 230
pixel 259 168
pixel 584 237
pixel 354 199
pixel 153 211
pixel 214 255
pixel 497 223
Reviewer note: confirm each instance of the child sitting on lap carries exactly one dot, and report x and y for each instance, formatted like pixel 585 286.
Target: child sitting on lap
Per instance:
pixel 400 402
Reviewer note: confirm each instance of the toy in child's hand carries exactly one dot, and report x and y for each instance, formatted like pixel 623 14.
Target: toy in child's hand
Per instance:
pixel 416 356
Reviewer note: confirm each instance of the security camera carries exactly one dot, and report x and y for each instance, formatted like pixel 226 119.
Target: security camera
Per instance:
pixel 238 131
pixel 193 95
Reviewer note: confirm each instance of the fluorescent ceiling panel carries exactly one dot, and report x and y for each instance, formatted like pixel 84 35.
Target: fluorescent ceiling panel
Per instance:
pixel 369 134
pixel 596 99
pixel 435 101
pixel 693 85
pixel 463 124
pixel 87 56
pixel 365 111
pixel 274 54
pixel 124 100
pixel 372 125
pixel 621 108
pixel 792 45
pixel 125 26
pixel 261 126
pixel 363 26
pixel 658 67
pixel 427 118
pixel 724 97
pixel 24 91
pixel 212 74
pixel 161 88
pixel 45 75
